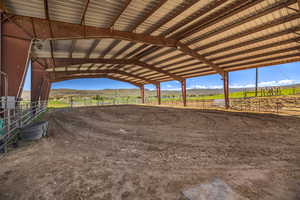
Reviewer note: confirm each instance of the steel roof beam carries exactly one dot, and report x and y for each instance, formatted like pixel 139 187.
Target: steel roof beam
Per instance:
pixel 134 26
pixel 47 16
pixel 67 31
pixel 237 36
pixel 175 12
pixel 270 53
pixel 231 47
pixel 188 51
pixel 82 22
pixel 190 18
pixel 74 61
pixel 96 42
pixel 258 28
pixel 208 20
pixel 215 18
pixel 294 57
pixel 96 76
pixel 243 20
pixel 62 73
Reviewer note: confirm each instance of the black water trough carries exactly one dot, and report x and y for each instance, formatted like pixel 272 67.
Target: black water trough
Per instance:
pixel 35 130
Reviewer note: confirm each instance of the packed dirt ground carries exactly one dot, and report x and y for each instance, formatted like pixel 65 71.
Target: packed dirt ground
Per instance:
pixel 140 152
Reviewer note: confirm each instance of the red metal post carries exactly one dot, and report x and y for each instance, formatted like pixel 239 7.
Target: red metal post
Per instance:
pixel 45 91
pixel 14 57
pixel 158 93
pixel 143 94
pixel 226 90
pixel 38 81
pixel 183 91
pixel 2 85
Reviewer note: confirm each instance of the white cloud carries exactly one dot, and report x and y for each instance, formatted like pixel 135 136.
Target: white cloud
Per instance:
pixel 267 84
pixel 205 87
pixel 287 82
pixel 261 84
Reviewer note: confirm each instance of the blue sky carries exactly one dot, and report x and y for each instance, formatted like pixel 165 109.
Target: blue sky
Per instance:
pixel 276 75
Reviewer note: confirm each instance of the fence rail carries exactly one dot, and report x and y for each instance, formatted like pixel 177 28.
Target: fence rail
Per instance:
pixel 272 104
pixel 289 105
pixel 15 115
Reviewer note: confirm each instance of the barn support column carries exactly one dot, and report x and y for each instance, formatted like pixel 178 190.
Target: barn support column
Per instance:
pixel 183 91
pixel 46 90
pixel 158 93
pixel 14 57
pixel 2 78
pixel 226 89
pixel 39 81
pixel 142 88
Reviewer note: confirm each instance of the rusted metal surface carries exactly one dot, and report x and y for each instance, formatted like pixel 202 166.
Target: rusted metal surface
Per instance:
pixel 44 94
pixel 183 91
pixel 39 81
pixel 15 55
pixel 2 7
pixel 158 93
pixel 226 89
pixel 142 88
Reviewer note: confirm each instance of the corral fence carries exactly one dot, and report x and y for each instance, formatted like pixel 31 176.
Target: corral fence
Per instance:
pixel 15 115
pixel 289 105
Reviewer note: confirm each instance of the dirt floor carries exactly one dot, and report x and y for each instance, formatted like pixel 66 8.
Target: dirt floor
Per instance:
pixel 139 152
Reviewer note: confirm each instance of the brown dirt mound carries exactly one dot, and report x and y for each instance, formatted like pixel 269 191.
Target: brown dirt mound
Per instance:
pixel 137 152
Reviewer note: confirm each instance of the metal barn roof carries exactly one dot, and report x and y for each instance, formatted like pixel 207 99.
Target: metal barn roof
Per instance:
pixel 213 36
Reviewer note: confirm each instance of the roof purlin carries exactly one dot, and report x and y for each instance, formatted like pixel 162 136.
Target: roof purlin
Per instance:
pixel 115 43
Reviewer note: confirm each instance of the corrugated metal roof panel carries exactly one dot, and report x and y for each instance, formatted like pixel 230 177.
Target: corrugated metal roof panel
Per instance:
pixel 139 16
pixel 32 8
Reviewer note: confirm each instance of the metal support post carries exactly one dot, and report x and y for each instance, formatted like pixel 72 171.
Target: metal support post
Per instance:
pixel 226 89
pixel 183 91
pixel 142 88
pixel 158 93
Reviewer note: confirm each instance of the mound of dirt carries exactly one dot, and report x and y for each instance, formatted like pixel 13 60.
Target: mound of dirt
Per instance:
pixel 140 152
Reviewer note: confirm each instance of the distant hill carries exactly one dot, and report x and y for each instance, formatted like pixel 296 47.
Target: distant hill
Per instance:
pixel 59 93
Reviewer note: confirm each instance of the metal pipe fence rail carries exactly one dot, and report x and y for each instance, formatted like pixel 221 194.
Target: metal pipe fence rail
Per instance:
pixel 16 117
pixel 89 101
pixel 102 102
pixel 289 105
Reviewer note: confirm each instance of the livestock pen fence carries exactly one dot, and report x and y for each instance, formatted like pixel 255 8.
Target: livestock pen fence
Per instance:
pixel 289 104
pixel 15 115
